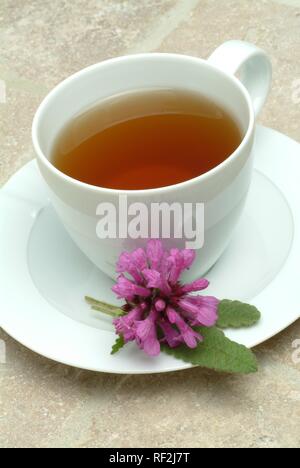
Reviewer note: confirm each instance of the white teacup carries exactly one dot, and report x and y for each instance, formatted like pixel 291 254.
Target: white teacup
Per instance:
pixel 223 189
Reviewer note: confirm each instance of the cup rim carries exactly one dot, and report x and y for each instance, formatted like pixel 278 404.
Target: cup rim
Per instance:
pixel 141 56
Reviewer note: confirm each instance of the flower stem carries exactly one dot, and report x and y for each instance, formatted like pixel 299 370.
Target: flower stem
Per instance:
pixel 100 306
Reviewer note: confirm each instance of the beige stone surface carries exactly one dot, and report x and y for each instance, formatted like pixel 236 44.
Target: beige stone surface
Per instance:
pixel 269 24
pixel 45 404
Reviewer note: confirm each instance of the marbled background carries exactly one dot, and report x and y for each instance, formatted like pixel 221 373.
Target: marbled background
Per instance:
pixel 44 404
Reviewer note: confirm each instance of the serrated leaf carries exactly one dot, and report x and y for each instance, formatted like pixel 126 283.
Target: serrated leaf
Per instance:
pixel 118 345
pixel 216 352
pixel 236 314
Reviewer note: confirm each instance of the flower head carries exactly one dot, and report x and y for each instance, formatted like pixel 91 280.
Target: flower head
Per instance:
pixel 158 307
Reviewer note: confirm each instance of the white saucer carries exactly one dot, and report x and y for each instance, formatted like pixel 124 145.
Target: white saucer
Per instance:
pixel 44 277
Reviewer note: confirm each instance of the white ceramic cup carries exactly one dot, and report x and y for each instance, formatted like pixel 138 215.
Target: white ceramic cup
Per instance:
pixel 223 189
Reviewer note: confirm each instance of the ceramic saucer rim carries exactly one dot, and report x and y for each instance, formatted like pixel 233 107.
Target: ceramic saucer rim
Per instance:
pixel 283 278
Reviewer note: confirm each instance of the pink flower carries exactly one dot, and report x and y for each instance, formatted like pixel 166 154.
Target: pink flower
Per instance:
pixel 158 308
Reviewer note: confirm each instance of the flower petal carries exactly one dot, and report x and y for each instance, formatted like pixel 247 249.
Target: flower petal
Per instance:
pixel 139 259
pixel 165 268
pixel 177 261
pixel 153 278
pixel 154 252
pixel 191 337
pixel 127 289
pixel 189 257
pixel 146 335
pixel 152 345
pixel 202 310
pixel 171 335
pixel 197 285
pixel 188 335
pixel 171 314
pixel 126 264
pixel 125 325
pixel 181 260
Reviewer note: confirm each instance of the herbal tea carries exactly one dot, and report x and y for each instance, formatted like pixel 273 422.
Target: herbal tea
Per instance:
pixel 146 139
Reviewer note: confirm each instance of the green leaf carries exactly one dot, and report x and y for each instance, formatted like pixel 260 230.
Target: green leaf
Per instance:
pixel 216 352
pixel 236 314
pixel 100 306
pixel 118 345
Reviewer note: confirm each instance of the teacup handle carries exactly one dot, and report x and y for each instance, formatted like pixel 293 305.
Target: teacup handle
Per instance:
pixel 252 64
